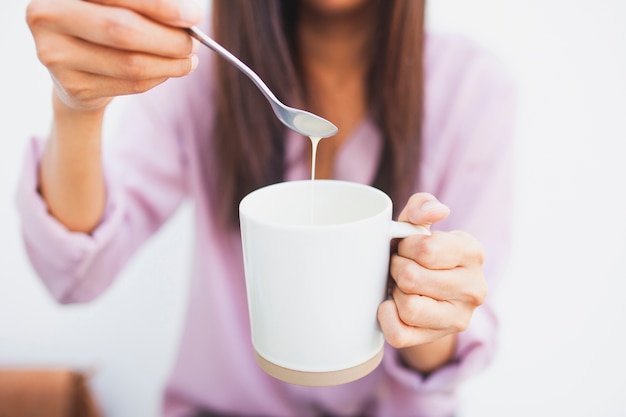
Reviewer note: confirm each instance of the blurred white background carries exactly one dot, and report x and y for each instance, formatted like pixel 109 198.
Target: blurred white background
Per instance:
pixel 562 342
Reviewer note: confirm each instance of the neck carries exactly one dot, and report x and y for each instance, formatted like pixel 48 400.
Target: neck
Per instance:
pixel 335 54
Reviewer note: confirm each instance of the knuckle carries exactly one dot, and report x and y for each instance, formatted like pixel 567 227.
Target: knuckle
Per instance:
pixel 418 199
pixel 475 250
pixel 427 253
pixel 481 293
pixel 38 12
pixel 396 338
pixel 392 324
pixel 134 66
pixel 414 203
pixel 139 86
pixel 462 323
pixel 405 277
pixel 479 256
pixel 477 293
pixel 406 316
pixel 415 200
pixel 33 14
pixel 411 310
pixel 118 27
pixel 48 54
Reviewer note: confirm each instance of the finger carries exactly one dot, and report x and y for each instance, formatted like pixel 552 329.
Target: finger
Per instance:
pixel 461 285
pixel 425 312
pixel 113 27
pixel 443 250
pixel 94 59
pixel 423 208
pixel 412 278
pixel 397 333
pixel 182 13
pixel 74 93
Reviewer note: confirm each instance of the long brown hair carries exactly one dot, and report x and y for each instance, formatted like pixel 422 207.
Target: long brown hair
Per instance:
pixel 248 145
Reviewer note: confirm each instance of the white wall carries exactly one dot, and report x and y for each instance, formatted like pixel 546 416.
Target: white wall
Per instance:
pixel 562 345
pixel 561 304
pixel 127 337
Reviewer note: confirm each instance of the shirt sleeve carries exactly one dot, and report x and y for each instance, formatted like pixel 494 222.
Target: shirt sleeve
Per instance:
pixel 468 166
pixel 145 183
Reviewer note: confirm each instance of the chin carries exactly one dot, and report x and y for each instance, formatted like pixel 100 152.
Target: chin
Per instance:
pixel 334 6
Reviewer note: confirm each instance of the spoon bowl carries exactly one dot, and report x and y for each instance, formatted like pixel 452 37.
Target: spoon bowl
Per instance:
pixel 301 121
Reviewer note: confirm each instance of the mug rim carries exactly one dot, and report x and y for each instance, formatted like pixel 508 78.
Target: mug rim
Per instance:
pixel 245 213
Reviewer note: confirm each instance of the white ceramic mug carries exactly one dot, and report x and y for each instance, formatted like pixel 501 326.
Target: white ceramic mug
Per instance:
pixel 316 257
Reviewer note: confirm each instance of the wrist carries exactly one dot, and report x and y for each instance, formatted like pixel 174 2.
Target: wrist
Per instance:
pixel 63 103
pixel 70 175
pixel 82 127
pixel 429 357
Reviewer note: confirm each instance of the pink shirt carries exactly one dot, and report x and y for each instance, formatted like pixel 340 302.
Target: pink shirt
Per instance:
pixel 153 168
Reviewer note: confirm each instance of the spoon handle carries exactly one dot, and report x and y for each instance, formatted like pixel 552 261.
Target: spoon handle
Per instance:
pixel 225 53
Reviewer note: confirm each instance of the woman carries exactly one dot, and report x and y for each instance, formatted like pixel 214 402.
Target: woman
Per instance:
pixel 418 116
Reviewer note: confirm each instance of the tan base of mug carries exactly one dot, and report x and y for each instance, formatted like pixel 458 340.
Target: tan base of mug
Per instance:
pixel 320 379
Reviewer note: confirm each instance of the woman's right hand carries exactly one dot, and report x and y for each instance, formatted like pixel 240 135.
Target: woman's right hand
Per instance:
pixel 98 49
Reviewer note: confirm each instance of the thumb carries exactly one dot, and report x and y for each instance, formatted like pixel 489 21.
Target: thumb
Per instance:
pixel 424 209
pixel 183 13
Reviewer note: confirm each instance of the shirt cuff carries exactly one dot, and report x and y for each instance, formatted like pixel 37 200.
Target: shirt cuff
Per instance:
pixel 61 257
pixel 474 350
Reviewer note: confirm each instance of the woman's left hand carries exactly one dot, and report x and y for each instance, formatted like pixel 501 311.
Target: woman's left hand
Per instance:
pixel 437 283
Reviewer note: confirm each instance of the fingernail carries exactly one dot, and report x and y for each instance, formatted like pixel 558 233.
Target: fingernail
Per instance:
pixel 194 63
pixel 195 45
pixel 190 11
pixel 432 206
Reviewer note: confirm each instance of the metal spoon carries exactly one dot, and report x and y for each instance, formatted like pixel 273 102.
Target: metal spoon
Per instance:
pixel 301 121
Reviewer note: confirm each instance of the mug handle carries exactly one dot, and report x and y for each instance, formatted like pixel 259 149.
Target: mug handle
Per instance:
pixel 405 229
